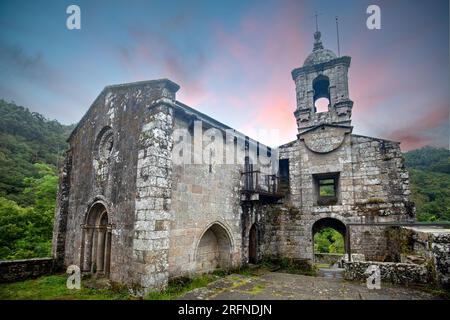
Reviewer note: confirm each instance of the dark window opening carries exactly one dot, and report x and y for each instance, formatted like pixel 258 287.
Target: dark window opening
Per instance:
pixel 321 86
pixel 327 189
pixel 248 168
pixel 283 173
pixel 284 170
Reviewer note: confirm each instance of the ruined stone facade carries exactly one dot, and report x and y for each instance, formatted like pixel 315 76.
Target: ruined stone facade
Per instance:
pixel 130 210
pixel 417 255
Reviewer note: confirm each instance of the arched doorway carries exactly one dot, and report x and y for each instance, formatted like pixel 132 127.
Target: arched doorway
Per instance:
pixel 329 237
pixel 213 250
pixel 96 237
pixel 253 244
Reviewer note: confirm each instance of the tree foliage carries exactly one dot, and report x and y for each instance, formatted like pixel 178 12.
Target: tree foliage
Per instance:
pixel 328 240
pixel 26 232
pixel 27 138
pixel 430 182
pixel 31 149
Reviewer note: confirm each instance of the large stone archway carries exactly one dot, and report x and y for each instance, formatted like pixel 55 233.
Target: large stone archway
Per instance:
pixel 332 223
pixel 214 250
pixel 96 241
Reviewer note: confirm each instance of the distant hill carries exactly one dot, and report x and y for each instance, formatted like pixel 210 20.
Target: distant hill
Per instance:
pixel 27 138
pixel 429 159
pixel 430 182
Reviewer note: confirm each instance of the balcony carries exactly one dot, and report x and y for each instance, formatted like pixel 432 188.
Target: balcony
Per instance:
pixel 259 186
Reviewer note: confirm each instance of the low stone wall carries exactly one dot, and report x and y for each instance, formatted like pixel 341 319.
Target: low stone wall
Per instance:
pixel 428 243
pixel 16 270
pixel 440 248
pixel 397 273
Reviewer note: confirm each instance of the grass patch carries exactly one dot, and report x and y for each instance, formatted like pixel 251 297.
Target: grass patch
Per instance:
pixel 289 266
pixel 322 265
pixel 257 289
pixel 180 286
pixel 436 291
pixel 54 288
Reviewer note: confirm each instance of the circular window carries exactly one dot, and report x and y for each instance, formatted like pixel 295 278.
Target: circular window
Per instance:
pixel 105 144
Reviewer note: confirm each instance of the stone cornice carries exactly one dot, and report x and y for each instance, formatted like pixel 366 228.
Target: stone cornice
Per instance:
pixel 345 60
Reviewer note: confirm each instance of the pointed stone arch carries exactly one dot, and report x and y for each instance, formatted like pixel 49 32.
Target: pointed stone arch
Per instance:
pixel 214 249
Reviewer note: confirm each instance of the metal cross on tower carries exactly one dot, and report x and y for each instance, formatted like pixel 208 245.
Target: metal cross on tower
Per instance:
pixel 316 16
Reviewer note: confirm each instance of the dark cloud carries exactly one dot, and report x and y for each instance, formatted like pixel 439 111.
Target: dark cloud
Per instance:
pixel 14 59
pixel 33 68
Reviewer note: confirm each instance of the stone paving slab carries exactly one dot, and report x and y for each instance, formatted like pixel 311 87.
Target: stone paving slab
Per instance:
pixel 284 286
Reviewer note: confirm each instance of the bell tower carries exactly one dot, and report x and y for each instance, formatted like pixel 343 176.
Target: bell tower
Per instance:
pixel 323 75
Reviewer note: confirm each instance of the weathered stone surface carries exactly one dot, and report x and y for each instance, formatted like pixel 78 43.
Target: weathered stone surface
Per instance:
pixel 429 246
pixel 397 273
pixel 283 286
pixel 157 218
pixel 17 270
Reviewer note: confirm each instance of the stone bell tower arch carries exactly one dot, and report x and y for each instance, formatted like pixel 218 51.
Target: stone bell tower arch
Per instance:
pixel 323 75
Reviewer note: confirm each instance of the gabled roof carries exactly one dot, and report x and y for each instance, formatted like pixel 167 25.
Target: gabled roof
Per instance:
pixel 168 83
pixel 178 106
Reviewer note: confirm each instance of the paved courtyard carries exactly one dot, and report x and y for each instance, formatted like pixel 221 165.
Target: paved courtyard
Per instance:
pixel 283 286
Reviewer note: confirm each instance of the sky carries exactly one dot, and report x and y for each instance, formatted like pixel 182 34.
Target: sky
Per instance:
pixel 233 60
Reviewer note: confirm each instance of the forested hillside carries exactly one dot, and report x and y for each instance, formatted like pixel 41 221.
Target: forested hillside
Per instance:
pixel 31 149
pixel 430 182
pixel 26 138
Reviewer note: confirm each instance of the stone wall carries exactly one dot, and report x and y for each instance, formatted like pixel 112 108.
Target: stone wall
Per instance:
pixel 153 198
pixel 397 273
pixel 107 176
pixel 423 247
pixel 440 248
pixel 371 241
pixel 17 270
pixel 380 180
pixel 205 203
pixel 430 243
pixel 61 213
pixel 373 186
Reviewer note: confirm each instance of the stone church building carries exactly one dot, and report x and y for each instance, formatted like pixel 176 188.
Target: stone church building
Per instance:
pixel 128 211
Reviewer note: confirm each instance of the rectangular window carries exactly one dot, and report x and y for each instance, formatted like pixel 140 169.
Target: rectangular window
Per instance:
pixel 283 173
pixel 326 188
pixel 283 165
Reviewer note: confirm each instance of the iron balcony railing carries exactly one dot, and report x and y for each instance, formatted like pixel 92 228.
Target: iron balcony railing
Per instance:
pixel 257 182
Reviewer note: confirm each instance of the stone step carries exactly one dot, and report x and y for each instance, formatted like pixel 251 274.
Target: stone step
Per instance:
pixel 332 273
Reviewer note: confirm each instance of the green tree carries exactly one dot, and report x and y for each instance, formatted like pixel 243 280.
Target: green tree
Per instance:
pixel 429 170
pixel 328 240
pixel 26 232
pixel 27 138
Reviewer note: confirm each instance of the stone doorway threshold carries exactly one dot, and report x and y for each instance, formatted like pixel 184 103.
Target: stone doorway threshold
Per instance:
pixel 331 273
